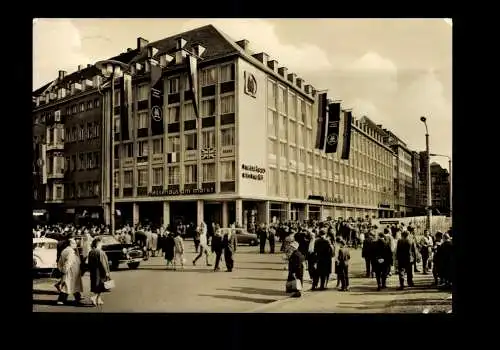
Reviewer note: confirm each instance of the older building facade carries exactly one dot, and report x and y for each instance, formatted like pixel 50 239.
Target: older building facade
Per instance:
pixel 249 157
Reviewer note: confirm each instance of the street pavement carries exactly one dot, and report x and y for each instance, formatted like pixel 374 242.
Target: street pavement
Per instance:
pixel 256 285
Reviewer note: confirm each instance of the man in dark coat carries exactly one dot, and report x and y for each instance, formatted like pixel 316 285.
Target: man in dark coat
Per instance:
pixel 229 244
pixel 382 259
pixel 367 254
pixel 296 266
pixel 324 254
pixel 446 256
pixel 217 248
pixel 405 256
pixel 301 238
pixel 262 234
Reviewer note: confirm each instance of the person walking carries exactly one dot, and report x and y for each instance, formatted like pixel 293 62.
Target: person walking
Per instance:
pixel 178 250
pixel 382 258
pixel 71 278
pixel 99 271
pixel 169 249
pixel 311 259
pixel 217 248
pixel 367 254
pixel 203 245
pixel 272 238
pixel 324 254
pixel 343 258
pixel 229 244
pixel 296 267
pixel 425 251
pixel 405 257
pixel 262 234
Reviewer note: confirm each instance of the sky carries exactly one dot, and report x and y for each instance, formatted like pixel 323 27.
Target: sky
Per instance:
pixel 392 70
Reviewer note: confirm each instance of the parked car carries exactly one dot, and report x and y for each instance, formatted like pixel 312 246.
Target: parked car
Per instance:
pixel 44 255
pixel 121 253
pixel 243 236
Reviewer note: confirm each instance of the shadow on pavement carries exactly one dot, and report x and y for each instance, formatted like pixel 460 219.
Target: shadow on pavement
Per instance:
pixel 250 290
pixel 265 262
pixel 261 268
pixel 261 279
pixel 45 292
pixel 49 302
pixel 239 298
pixel 369 305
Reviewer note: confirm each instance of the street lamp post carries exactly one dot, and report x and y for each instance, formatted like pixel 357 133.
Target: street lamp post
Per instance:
pixel 112 69
pixel 429 189
pixel 450 179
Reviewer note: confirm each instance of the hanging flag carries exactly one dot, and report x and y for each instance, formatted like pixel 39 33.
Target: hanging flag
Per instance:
pixel 333 125
pixel 193 82
pixel 156 111
pixel 346 144
pixel 126 123
pixel 321 128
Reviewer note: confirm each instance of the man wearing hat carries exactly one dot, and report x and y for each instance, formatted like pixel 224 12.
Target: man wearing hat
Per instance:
pixel 296 266
pixel 405 257
pixel 446 255
pixel 324 254
pixel 343 259
pixel 382 260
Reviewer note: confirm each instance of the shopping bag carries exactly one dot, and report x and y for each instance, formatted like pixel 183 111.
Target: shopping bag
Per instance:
pixel 293 286
pixel 109 284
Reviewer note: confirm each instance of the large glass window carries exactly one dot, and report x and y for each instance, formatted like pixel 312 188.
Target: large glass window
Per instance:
pixel 208 172
pixel 173 175
pixel 191 174
pixel 227 136
pixel 228 170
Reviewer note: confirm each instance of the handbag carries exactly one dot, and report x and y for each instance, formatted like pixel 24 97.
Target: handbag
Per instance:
pixel 109 284
pixel 293 286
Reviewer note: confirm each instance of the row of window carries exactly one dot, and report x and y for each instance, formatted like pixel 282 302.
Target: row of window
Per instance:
pixel 143 148
pixel 208 108
pixel 83 161
pixel 83 132
pixel 87 189
pixel 208 174
pixel 83 106
pixel 288 104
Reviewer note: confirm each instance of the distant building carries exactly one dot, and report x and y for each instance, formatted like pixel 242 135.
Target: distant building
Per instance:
pixel 440 186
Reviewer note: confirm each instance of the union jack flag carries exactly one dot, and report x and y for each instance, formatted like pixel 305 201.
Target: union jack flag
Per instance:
pixel 208 153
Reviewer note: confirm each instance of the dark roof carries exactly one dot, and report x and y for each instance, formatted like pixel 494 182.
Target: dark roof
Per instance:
pixel 215 43
pixel 88 72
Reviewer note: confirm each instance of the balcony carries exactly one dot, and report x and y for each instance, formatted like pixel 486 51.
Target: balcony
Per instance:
pixel 58 145
pixel 227 151
pixel 157 158
pixel 56 175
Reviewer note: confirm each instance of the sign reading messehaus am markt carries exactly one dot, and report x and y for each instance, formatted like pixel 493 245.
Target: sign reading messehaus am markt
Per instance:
pixel 184 192
pixel 252 172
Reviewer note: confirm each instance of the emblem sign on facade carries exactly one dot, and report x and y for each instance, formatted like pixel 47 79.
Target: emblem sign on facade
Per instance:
pixel 156 113
pixel 208 153
pixel 332 139
pixel 250 84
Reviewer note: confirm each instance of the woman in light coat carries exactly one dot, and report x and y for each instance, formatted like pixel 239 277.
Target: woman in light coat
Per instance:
pixel 99 271
pixel 178 250
pixel 71 279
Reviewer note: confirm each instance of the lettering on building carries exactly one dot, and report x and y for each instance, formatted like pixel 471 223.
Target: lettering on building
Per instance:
pixel 325 199
pixel 185 192
pixel 252 172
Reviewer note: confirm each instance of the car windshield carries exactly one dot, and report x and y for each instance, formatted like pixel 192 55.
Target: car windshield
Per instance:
pixel 109 240
pixel 45 245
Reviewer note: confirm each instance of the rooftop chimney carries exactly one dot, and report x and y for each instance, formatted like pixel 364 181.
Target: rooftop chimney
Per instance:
pixel 292 77
pixel 308 88
pixel 89 65
pixel 80 67
pixel 273 64
pixel 379 125
pixel 198 50
pixel 262 57
pixel 244 44
pixel 165 59
pixel 142 43
pixel 152 51
pixel 283 71
pixel 180 43
pixel 62 74
pixel 129 49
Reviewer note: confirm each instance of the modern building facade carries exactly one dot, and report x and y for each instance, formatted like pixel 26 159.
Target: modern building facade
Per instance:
pixel 67 140
pixel 250 156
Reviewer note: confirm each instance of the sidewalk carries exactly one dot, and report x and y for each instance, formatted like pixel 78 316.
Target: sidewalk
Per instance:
pixel 363 296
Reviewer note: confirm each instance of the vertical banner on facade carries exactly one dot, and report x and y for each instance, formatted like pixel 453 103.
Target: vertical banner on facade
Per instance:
pixel 333 126
pixel 193 82
pixel 43 157
pixel 321 129
pixel 346 144
pixel 157 126
pixel 126 122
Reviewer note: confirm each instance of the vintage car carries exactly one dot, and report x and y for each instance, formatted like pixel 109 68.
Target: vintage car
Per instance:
pixel 44 255
pixel 121 253
pixel 243 236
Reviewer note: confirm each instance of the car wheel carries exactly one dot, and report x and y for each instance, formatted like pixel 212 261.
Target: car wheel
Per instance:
pixel 253 243
pixel 133 265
